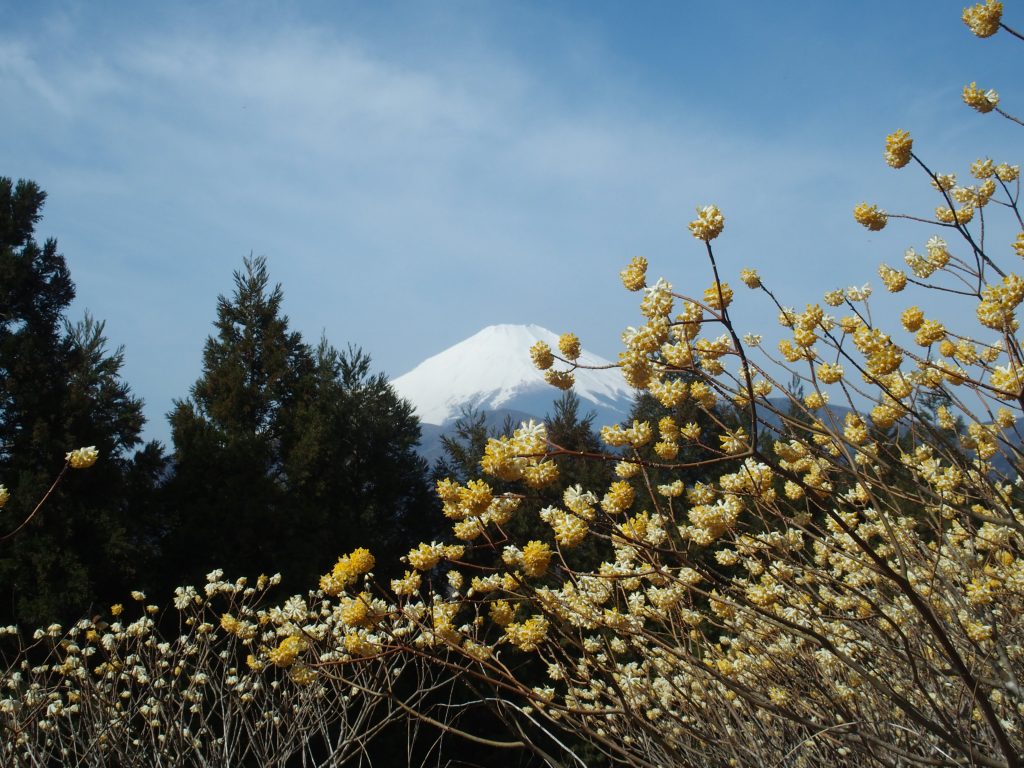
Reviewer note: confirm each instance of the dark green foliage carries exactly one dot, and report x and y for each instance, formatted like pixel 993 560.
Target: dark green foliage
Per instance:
pixel 287 456
pixel 60 389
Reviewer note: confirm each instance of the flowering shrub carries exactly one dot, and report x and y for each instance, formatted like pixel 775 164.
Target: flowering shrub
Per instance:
pixel 226 680
pixel 845 586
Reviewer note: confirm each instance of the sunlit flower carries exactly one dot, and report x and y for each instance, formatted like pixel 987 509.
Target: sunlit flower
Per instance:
pixel 983 18
pixel 894 279
pixel 541 355
pixel 750 278
pixel 983 101
pixel 870 216
pixel 898 146
pixel 569 346
pixel 82 458
pixel 634 276
pixel 709 223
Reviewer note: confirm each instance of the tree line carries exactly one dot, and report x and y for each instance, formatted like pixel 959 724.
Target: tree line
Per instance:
pixel 283 453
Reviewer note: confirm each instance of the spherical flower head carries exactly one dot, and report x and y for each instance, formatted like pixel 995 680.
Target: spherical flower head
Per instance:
pixel 709 223
pixel 424 557
pixel 361 561
pixel 536 556
pixel 912 318
pixel 895 280
pixel 569 346
pixel 5 495
pixel 1008 380
pixel 938 252
pixel 930 332
pixel 560 379
pixel 750 278
pixel 501 612
pixel 541 355
pixel 1007 173
pixel 82 458
pixel 869 216
pixel 1018 245
pixel 983 18
pixel 830 373
pixel 619 498
pixel 408 585
pixel 835 298
pixel 898 146
pixel 983 101
pixel 634 276
pixel 285 653
pixel 982 168
pixel 448 490
pixel 718 296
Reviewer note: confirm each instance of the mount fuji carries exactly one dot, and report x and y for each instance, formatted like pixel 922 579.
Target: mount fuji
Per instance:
pixel 491 371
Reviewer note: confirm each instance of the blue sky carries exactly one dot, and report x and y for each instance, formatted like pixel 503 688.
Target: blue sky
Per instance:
pixel 416 171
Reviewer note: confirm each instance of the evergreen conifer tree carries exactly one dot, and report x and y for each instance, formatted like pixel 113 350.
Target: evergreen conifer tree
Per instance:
pixel 286 456
pixel 60 388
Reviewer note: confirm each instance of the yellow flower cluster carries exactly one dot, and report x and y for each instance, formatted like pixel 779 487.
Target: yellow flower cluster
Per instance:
pixel 528 635
pixel 426 556
pixel 536 557
pixel 898 146
pixel 569 346
pixel 541 355
pixel 894 279
pixel 718 296
pixel 870 216
pixel 521 455
pixel 998 304
pixel 82 458
pixel 287 651
pixel 709 223
pixel 634 276
pixel 347 571
pixel 983 19
pixel 619 498
pixel 569 529
pixel 983 101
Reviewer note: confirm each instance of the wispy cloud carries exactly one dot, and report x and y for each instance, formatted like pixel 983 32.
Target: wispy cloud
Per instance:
pixel 407 195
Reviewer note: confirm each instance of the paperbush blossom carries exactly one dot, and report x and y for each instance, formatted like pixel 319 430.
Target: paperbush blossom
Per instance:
pixel 82 458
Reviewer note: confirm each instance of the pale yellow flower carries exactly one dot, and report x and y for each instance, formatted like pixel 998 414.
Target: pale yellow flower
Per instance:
pixel 983 18
pixel 634 276
pixel 569 345
pixel 82 458
pixel 750 278
pixel 541 355
pixel 898 146
pixel 976 98
pixel 870 216
pixel 709 223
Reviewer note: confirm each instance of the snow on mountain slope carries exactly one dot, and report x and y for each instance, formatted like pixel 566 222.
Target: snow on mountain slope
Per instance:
pixel 492 369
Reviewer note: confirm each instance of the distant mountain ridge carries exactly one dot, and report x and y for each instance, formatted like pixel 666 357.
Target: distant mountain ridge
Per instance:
pixel 492 370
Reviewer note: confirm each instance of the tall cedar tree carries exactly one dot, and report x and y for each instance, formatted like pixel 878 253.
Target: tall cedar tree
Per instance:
pixel 60 388
pixel 288 456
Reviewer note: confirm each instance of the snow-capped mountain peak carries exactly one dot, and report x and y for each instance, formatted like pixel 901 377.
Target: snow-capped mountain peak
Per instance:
pixel 492 370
